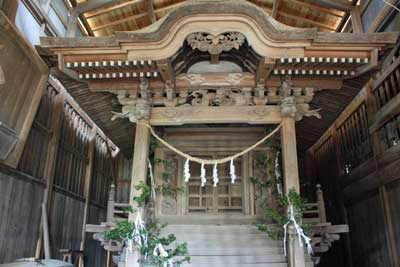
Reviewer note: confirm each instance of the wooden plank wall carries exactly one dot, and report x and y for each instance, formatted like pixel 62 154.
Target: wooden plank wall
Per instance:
pixel 358 163
pixel 20 199
pixel 54 163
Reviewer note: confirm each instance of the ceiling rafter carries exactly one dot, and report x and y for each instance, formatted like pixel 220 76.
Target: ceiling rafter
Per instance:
pixel 150 11
pixel 309 21
pixel 119 21
pixel 275 8
pixel 342 5
pixel 107 8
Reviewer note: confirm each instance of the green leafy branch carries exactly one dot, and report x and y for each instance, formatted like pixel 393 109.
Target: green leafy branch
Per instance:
pixel 168 190
pixel 144 195
pixel 178 253
pixel 280 215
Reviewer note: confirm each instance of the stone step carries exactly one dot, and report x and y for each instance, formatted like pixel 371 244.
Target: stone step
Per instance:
pixel 224 259
pixel 237 265
pixel 230 244
pixel 235 251
pixel 212 229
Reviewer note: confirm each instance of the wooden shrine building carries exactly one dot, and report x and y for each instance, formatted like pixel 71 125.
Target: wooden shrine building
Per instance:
pixel 264 133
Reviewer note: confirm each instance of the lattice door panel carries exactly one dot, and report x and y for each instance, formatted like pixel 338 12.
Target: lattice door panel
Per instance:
pixel 226 197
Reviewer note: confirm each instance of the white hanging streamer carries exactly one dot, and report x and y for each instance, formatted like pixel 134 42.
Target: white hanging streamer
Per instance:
pixel 153 185
pixel 203 175
pixel 299 231
pixel 215 175
pixel 160 251
pixel 232 172
pixel 186 171
pixel 278 175
pixel 137 236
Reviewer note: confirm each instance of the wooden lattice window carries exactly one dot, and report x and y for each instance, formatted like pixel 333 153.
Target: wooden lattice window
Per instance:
pixel 354 139
pixel 389 133
pixel 226 197
pixel 33 159
pixel 72 152
pixel 388 85
pixel 325 153
pixel 102 172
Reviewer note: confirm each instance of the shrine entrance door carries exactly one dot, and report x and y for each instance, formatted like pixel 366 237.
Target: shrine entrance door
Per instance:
pixel 226 197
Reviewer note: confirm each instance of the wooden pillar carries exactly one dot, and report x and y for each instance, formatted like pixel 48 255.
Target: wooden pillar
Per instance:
pixel 10 9
pixel 139 165
pixel 139 173
pixel 289 155
pixel 356 20
pixel 72 26
pixel 291 180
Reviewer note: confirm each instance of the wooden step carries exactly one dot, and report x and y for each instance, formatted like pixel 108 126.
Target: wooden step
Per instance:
pixel 224 259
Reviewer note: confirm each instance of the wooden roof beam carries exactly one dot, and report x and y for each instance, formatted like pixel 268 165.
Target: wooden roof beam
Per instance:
pixel 341 5
pixel 356 20
pixel 264 70
pixel 166 71
pixel 116 22
pixel 90 5
pixel 275 8
pixel 183 83
pixel 109 7
pixel 312 22
pixel 163 9
pixel 150 11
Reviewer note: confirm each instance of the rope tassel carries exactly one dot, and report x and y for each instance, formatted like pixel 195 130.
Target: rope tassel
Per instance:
pixel 232 172
pixel 215 175
pixel 186 171
pixel 203 175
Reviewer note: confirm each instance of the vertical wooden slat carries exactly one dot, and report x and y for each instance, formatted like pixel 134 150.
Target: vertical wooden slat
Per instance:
pixel 86 193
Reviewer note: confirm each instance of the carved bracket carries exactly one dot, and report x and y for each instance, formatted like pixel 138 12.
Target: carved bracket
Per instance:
pixel 133 107
pixel 292 105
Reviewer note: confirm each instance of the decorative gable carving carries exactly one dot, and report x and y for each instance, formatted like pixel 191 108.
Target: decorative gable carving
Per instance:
pixel 215 44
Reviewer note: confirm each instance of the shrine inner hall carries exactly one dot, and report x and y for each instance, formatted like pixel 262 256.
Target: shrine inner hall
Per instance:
pixel 203 133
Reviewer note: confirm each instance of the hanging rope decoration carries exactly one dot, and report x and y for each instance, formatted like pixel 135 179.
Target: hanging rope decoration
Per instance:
pixel 203 162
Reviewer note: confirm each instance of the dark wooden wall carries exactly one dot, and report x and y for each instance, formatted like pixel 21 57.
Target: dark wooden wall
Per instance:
pixel 68 158
pixel 358 163
pixel 20 199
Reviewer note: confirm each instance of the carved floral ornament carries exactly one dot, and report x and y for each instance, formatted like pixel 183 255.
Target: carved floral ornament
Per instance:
pixel 215 44
pixel 293 101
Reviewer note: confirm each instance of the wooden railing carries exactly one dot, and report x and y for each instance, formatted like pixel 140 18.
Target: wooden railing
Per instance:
pixel 387 86
pixel 315 212
pixel 354 138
